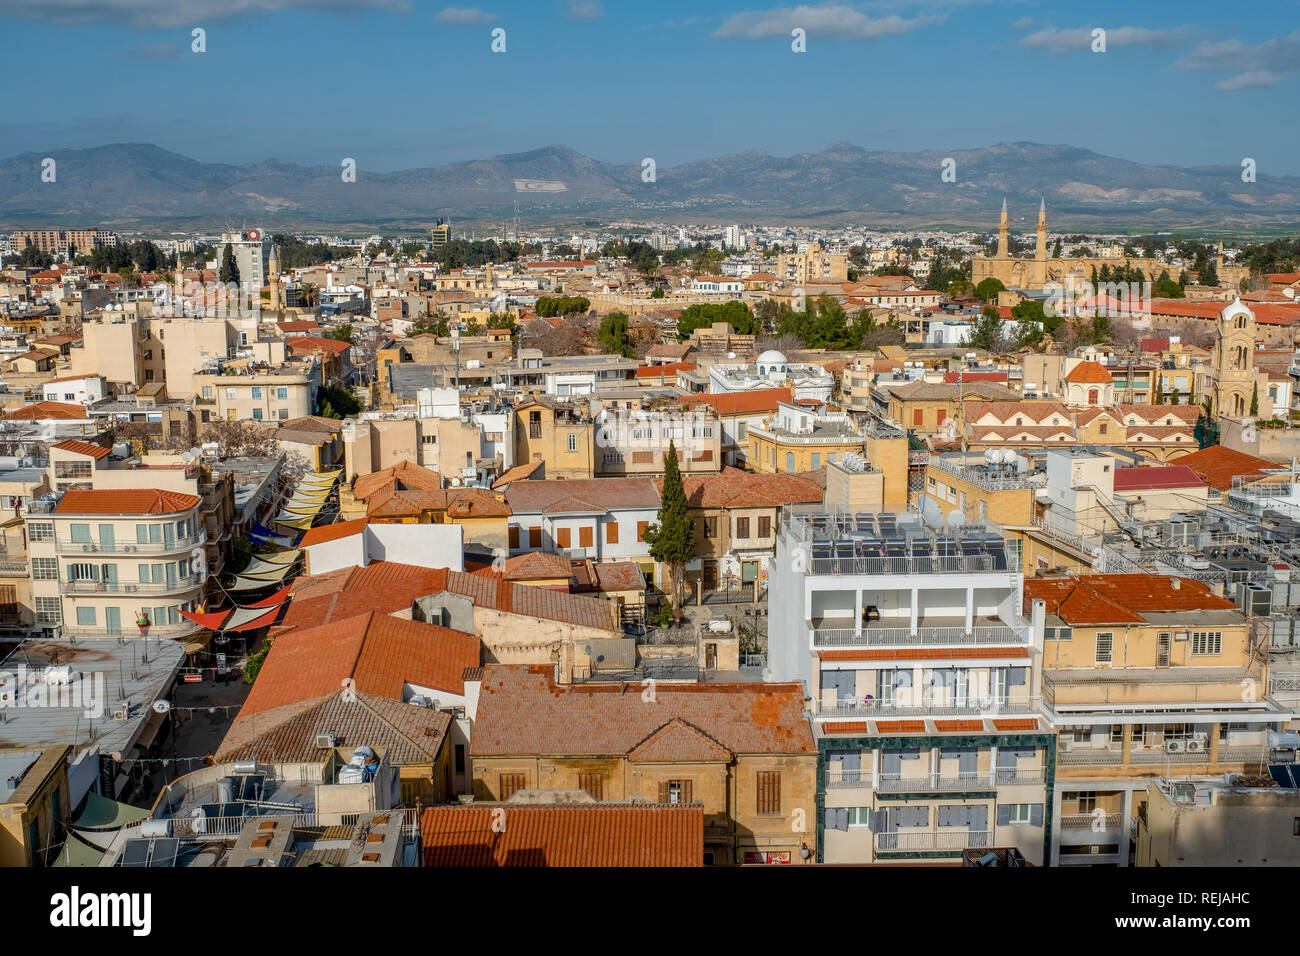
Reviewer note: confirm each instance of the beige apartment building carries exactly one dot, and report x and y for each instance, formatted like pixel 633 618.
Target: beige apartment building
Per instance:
pixel 270 394
pixel 444 445
pixel 812 265
pixel 117 562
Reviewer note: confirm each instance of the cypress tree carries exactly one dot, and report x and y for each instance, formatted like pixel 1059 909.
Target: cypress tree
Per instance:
pixel 672 537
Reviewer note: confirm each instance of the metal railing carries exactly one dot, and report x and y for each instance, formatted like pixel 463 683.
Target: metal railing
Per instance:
pixel 916 564
pixel 1113 756
pixel 934 839
pixel 186 583
pixel 889 709
pixel 13 567
pixel 1090 821
pixel 130 630
pixel 68 546
pixel 899 783
pixel 922 636
pixel 988 481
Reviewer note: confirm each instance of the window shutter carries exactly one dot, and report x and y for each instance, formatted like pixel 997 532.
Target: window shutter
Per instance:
pixel 584 536
pixel 688 791
pixel 563 538
pixel 1019 675
pixel 839 818
pixel 1004 815
pixel 663 791
pixel 1036 814
pixel 890 761
pixel 611 532
pixel 945 818
pixel 514 536
pixel 593 783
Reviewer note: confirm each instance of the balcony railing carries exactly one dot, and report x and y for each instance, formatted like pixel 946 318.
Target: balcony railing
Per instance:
pixel 68 546
pixel 991 634
pixel 974 705
pixel 1090 821
pixel 934 839
pixel 1003 562
pixel 9 568
pixel 1113 756
pixel 183 629
pixel 987 479
pixel 186 583
pixel 898 783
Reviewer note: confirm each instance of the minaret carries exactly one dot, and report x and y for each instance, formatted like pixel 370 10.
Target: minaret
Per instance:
pixel 1040 251
pixel 1002 231
pixel 273 267
pixel 1218 260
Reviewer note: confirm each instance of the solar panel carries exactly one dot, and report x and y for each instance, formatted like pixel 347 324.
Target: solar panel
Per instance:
pixel 135 853
pixel 164 852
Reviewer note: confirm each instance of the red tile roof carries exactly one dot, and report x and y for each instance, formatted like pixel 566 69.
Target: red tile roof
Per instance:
pixel 959 726
pixel 844 727
pixel 316 343
pixel 1122 598
pixel 38 411
pixel 1218 464
pixel 332 532
pixel 732 487
pixel 1155 478
pixel 668 372
pixel 523 711
pixel 404 474
pixel 900 726
pixel 124 501
pixel 380 653
pixel 743 403
pixel 1017 724
pixel 84 448
pixel 594 835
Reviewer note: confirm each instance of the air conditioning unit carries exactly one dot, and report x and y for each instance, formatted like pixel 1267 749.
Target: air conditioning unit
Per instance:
pixel 326 741
pixel 130 588
pixel 87 547
pixel 1176 746
pixel 1067 744
pixel 129 547
pixel 1094 850
pixel 1195 746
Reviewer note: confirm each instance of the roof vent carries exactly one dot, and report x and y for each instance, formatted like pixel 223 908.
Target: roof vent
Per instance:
pixel 1175 583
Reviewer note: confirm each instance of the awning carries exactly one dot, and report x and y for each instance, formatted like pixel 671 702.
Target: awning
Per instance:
pixel 153 723
pixel 312 492
pixel 259 565
pixel 101 813
pixel 78 853
pixel 280 557
pixel 238 617
pixel 251 584
pixel 280 541
pixel 273 573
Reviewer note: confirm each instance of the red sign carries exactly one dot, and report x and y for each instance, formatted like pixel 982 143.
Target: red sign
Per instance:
pixel 192 678
pixel 254 235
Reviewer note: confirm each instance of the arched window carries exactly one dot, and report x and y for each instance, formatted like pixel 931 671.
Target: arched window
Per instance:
pixel 1092 396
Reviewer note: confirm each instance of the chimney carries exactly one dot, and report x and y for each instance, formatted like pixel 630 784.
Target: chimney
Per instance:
pixel 1175 583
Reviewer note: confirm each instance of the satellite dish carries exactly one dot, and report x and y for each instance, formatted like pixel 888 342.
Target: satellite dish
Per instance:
pixel 930 513
pixel 956 518
pixel 196 451
pixel 990 456
pixel 187 457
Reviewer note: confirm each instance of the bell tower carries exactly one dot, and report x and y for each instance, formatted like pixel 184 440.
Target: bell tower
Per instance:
pixel 1234 360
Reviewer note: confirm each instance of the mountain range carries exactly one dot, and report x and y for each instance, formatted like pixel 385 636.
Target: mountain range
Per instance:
pixel 133 187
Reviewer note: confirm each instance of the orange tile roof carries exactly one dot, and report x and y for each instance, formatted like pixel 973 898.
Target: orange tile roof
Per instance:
pixel 84 448
pixel 1122 598
pixel 38 411
pixel 732 487
pixel 1218 465
pixel 960 726
pixel 844 727
pixel 522 711
pixel 924 653
pixel 743 403
pixel 1089 373
pixel 124 501
pixel 314 343
pixel 594 835
pixel 517 473
pixel 1029 724
pixel 332 532
pixel 666 371
pixel 900 726
pixel 405 473
pixel 380 653
pixel 1156 477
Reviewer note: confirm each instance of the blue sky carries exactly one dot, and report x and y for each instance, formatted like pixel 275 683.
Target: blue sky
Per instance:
pixel 399 83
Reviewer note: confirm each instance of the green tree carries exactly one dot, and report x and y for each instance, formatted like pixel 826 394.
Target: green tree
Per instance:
pixel 342 334
pixel 1056 249
pixel 658 293
pixel 229 271
pixel 1160 389
pixel 735 313
pixel 337 403
pixel 1254 400
pixel 986 333
pixel 672 537
pixel 613 335
pixel 1167 288
pixel 989 288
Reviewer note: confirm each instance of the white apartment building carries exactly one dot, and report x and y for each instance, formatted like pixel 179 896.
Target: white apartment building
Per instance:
pixel 921 682
pixel 116 562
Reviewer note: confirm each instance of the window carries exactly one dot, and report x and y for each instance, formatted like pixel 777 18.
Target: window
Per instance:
pixel 1105 647
pixel 1058 633
pixel 45 569
pixel 742 527
pixel 1087 801
pixel 429 439
pixel 72 469
pixel 282 414
pixel 816 461
pixel 1295 826
pixel 573 441
pixel 40 531
pixel 1207 642
pixel 563 537
pixel 48 610
pixel 85 616
pixel 534 537
pixel 514 537
pixel 769 791
pixel 460 758
pixel 765 527
pixel 257 414
pixel 677 791
pixel 711 527
pixel 80 533
pixel 641 527
pixel 611 532
pixel 231 393
pixel 593 783
pixel 207 392
pixel 584 537
pixel 1018 813
pixel 508 783
pixel 281 392
pixel 257 391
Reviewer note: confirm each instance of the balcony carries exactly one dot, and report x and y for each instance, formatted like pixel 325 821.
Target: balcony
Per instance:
pixel 980 634
pixel 187 583
pixel 1096 822
pixel 931 783
pixel 1134 689
pixel 997 560
pixel 933 840
pixel 184 629
pixel 974 705
pixel 1157 756
pixel 188 543
pixel 10 568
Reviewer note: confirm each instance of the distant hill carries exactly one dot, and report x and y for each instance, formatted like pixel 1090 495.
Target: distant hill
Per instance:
pixel 133 185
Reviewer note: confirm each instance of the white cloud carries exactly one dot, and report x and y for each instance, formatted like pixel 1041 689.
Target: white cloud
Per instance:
pixel 1022 23
pixel 1079 39
pixel 465 16
pixel 1250 80
pixel 831 19
pixel 588 10
pixel 152 14
pixel 1279 55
